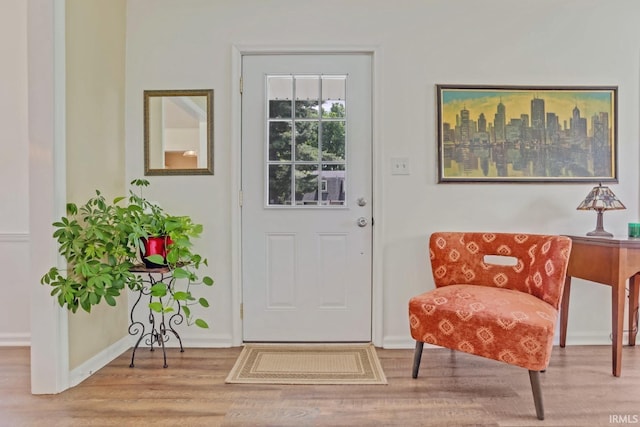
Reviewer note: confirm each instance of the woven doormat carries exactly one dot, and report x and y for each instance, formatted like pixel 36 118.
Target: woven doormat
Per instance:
pixel 307 364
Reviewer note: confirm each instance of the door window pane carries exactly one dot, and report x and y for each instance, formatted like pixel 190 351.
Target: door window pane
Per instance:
pixel 280 95
pixel 307 93
pixel 335 189
pixel 306 178
pixel 280 141
pixel 333 141
pixel 307 141
pixel 279 184
pixel 333 96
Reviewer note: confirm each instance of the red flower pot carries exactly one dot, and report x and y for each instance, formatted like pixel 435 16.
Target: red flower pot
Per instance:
pixel 155 246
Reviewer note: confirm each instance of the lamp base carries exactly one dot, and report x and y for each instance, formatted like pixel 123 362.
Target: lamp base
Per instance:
pixel 599 233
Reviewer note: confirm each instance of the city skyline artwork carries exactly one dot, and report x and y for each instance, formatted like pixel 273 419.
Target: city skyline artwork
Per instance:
pixel 520 134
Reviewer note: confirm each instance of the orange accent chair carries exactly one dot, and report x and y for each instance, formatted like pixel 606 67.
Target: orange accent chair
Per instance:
pixel 497 296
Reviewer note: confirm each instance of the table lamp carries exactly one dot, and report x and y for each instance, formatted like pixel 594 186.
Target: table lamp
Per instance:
pixel 600 199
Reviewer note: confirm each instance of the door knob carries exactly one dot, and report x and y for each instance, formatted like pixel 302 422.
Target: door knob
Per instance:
pixel 362 222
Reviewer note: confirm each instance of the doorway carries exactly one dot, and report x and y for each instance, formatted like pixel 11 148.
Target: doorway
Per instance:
pixel 306 215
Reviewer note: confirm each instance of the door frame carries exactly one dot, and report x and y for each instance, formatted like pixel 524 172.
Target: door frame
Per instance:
pixel 237 52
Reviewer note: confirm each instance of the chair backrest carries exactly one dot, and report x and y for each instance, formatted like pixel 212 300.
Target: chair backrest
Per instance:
pixel 539 261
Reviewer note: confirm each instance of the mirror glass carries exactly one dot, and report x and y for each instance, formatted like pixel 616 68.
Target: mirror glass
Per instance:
pixel 178 132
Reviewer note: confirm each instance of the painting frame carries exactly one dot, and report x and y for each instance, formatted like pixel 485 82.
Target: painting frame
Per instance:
pixel 560 147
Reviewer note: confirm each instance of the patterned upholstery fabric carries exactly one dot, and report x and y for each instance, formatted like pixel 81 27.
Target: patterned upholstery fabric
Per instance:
pixel 502 312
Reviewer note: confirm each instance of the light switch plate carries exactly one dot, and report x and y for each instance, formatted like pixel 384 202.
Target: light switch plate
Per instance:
pixel 400 166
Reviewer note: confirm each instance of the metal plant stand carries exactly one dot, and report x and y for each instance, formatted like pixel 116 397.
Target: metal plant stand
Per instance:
pixel 156 331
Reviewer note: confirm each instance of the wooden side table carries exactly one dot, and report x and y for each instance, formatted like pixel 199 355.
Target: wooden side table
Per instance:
pixel 611 262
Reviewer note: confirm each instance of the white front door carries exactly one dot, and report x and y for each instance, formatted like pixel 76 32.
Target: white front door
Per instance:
pixel 306 197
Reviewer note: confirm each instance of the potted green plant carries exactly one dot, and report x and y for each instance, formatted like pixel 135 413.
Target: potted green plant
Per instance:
pixel 103 242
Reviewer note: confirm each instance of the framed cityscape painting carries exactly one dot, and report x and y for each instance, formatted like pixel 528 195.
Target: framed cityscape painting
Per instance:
pixel 527 134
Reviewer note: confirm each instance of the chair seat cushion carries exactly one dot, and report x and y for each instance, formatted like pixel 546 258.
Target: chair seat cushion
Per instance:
pixel 501 324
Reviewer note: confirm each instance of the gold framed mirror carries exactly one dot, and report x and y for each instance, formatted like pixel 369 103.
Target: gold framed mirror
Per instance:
pixel 178 132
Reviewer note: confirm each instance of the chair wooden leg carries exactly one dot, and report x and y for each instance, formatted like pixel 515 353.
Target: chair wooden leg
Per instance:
pixel 534 376
pixel 417 355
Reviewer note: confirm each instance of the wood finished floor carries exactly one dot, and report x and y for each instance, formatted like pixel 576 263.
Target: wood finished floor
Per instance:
pixel 453 389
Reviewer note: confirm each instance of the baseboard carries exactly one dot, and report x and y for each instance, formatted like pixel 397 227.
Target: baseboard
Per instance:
pixel 97 362
pixel 210 341
pixel 15 339
pixel 586 338
pixel 398 342
pixel 194 341
pixel 590 338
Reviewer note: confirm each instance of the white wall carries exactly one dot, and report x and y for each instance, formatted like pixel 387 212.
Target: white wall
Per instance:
pixel 14 219
pixel 187 44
